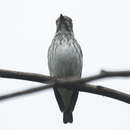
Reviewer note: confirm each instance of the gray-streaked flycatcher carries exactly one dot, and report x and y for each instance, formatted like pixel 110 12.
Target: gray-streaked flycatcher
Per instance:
pixel 65 61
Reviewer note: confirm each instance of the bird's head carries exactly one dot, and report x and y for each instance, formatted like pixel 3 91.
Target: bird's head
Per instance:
pixel 64 23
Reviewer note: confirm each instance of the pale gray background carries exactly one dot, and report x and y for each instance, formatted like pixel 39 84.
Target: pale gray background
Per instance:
pixel 27 27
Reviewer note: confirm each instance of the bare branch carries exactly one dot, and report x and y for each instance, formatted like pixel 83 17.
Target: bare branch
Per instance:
pixel 64 83
pixel 47 79
pixel 24 92
pixel 25 76
pixel 81 87
pixel 102 75
pixel 104 91
pixel 106 74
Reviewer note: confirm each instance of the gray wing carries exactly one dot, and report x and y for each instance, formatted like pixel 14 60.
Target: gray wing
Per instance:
pixel 56 92
pixel 59 99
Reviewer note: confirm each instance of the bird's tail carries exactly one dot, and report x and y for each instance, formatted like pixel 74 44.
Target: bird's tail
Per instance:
pixel 67 117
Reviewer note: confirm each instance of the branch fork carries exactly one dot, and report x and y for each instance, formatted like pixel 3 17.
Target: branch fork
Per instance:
pixel 81 84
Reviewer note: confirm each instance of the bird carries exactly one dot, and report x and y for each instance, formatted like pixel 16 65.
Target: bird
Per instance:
pixel 65 61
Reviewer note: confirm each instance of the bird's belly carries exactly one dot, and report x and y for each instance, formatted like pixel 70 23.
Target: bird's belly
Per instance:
pixel 66 62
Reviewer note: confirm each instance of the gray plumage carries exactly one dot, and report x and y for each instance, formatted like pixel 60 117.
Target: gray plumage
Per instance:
pixel 65 61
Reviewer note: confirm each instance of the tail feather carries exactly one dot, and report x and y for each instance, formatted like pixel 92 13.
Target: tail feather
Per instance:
pixel 67 117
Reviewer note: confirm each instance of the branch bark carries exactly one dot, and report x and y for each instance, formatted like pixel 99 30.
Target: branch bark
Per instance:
pixel 104 91
pixel 24 92
pixel 80 83
pixel 25 76
pixel 100 90
pixel 47 79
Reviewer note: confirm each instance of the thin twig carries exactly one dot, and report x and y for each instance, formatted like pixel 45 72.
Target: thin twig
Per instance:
pixel 24 92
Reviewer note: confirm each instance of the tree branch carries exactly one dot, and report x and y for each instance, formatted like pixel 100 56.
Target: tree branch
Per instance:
pixel 25 76
pixel 104 91
pixel 81 87
pixel 106 74
pixel 24 92
pixel 80 83
pixel 47 79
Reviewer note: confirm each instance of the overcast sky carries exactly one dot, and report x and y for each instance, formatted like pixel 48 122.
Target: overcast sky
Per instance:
pixel 27 27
